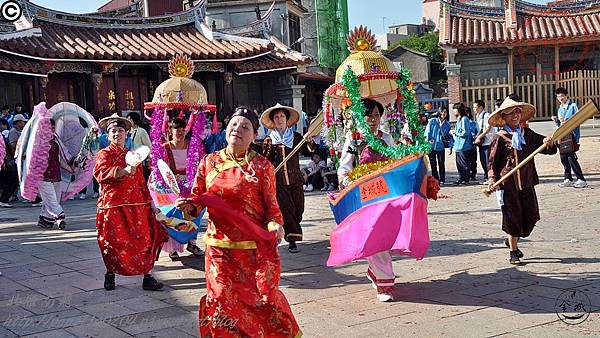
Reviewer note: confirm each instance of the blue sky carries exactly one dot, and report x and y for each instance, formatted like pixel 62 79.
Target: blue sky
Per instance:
pixel 372 13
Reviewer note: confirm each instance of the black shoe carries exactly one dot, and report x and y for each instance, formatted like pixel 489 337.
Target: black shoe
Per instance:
pixel 61 224
pixel 293 248
pixel 174 256
pixel 519 252
pixel 514 258
pixel 151 284
pixel 459 182
pixel 195 250
pixel 109 281
pixel 44 222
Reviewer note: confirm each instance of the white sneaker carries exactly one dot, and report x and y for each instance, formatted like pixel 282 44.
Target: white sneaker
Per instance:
pixel 5 205
pixel 36 204
pixel 566 183
pixel 309 188
pixel 325 187
pixel 385 297
pixel 304 187
pixel 95 195
pixel 580 184
pixel 385 293
pixel 81 196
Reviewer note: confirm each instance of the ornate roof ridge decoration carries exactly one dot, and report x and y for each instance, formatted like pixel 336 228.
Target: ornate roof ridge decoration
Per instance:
pixel 132 8
pixel 238 38
pixel 523 8
pixel 260 27
pixel 99 21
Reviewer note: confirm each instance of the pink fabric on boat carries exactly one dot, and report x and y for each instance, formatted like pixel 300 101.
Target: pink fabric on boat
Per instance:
pixel 2 150
pixel 398 225
pixel 38 162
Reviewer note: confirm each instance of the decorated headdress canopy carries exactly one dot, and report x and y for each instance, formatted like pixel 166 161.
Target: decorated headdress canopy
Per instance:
pixel 180 91
pixel 376 73
pixel 369 74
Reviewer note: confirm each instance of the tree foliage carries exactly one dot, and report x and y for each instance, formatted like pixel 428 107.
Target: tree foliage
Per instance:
pixel 426 44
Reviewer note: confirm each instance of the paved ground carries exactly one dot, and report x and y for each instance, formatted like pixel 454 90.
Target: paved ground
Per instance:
pixel 51 282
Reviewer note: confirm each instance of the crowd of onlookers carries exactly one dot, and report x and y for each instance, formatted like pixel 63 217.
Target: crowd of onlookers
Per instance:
pixel 11 126
pixel 469 139
pixel 472 136
pixel 319 175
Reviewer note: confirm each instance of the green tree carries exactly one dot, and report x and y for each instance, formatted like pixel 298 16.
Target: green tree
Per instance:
pixel 426 43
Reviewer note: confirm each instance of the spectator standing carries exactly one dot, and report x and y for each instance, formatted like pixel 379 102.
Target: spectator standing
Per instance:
pixel 15 132
pixel 485 135
pixel 438 134
pixel 570 144
pixel 5 114
pixel 463 143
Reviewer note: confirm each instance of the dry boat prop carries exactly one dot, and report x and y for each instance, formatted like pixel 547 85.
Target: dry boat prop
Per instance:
pixel 385 205
pixel 76 132
pixel 183 97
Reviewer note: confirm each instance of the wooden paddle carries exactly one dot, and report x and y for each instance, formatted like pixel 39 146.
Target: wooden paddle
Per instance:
pixel 313 130
pixel 586 112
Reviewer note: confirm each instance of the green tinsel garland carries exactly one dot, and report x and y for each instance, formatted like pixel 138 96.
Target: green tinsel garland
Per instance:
pixel 357 109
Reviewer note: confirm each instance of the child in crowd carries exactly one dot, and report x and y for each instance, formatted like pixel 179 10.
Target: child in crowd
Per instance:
pixel 330 179
pixel 312 173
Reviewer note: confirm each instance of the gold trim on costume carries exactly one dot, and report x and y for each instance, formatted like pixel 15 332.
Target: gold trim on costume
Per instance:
pixel 121 205
pixel 225 244
pixel 226 165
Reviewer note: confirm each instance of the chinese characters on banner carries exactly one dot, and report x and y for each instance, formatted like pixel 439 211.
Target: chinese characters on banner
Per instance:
pixel 373 189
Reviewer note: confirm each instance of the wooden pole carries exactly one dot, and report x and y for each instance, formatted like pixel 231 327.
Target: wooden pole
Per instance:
pixel 314 129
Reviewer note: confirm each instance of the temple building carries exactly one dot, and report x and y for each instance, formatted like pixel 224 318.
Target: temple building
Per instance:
pixel 497 47
pixel 114 59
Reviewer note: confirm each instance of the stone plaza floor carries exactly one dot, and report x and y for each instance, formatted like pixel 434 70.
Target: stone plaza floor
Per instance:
pixel 51 281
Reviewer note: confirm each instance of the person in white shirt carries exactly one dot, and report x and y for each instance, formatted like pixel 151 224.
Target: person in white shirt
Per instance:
pixel 484 138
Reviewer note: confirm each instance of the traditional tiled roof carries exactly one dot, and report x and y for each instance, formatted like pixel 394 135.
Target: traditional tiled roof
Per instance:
pixel 59 42
pixel 13 63
pixel 72 37
pixel 519 23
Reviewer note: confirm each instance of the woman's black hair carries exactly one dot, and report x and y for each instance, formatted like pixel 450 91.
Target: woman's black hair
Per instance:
pixel 247 113
pixel 52 122
pixel 177 124
pixel 370 105
pixel 135 118
pixel 285 111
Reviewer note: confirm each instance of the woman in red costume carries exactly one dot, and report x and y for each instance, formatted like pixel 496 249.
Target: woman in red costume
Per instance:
pixel 242 264
pixel 128 234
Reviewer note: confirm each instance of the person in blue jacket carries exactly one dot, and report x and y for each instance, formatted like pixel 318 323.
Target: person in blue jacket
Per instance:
pixel 438 134
pixel 567 110
pixel 463 143
pixel 215 142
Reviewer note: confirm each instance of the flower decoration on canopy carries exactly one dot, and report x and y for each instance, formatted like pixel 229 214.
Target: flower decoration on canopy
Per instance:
pixel 181 66
pixel 361 39
pixel 368 74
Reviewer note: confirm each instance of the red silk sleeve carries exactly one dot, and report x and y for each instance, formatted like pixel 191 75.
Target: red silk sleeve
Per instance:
pixel 199 187
pixel 105 169
pixel 272 211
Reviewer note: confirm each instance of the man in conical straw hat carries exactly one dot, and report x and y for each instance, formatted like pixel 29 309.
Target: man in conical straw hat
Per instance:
pixel 511 145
